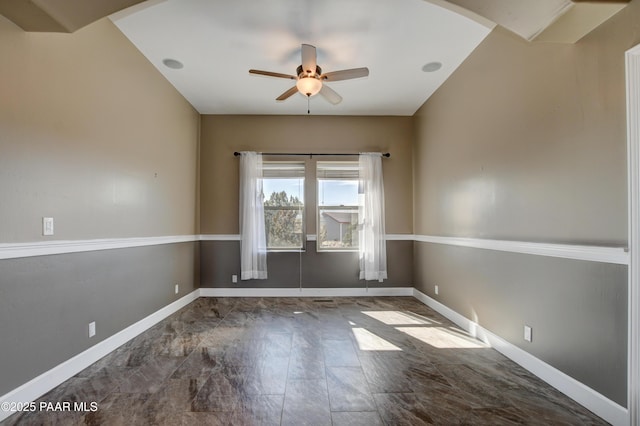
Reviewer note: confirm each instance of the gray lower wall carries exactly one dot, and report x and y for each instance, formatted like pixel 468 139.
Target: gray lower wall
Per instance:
pixel 577 309
pixel 47 302
pixel 221 259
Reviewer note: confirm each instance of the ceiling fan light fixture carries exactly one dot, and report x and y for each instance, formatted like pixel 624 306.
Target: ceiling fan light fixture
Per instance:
pixel 309 86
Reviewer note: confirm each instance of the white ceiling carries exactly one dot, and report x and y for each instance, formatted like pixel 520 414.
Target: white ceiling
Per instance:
pixel 218 41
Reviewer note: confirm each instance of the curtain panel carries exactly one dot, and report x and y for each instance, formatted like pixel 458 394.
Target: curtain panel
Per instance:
pixel 372 242
pixel 253 244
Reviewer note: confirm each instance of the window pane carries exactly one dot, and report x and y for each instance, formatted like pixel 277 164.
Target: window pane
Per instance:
pixel 333 192
pixel 338 228
pixel 337 205
pixel 284 212
pixel 283 191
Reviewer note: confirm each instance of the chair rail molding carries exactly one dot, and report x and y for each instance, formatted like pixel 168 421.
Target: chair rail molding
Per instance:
pixel 617 255
pixel 44 248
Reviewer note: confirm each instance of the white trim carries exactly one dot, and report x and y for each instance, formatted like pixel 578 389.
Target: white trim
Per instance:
pixel 589 398
pixel 400 237
pixel 306 292
pixel 632 62
pixel 44 248
pixel 48 380
pixel 220 237
pixel 617 255
pixel 592 400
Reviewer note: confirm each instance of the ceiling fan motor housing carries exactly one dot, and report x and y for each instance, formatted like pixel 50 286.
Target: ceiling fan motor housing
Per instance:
pixel 307 73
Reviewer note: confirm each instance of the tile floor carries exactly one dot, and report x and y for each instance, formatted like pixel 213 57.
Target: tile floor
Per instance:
pixel 304 361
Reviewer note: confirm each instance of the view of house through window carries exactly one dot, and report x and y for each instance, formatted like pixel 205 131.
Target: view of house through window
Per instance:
pixel 283 190
pixel 337 205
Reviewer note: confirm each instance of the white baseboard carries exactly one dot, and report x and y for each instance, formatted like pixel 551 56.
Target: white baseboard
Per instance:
pixel 584 395
pixel 592 400
pixel 306 292
pixel 48 380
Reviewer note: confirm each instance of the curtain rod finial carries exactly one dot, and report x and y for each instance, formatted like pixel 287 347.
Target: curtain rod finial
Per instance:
pixel 386 154
pixel 236 153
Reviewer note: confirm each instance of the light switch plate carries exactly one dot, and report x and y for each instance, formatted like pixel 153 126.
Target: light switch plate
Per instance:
pixel 527 333
pixel 92 329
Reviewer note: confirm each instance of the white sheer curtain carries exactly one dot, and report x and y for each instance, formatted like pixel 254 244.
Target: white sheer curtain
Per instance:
pixel 372 243
pixel 253 244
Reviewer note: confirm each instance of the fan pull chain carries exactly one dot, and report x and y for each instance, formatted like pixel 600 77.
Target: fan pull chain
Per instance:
pixel 308 104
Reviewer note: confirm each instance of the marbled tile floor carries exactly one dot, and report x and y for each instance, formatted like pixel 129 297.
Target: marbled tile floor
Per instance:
pixel 294 361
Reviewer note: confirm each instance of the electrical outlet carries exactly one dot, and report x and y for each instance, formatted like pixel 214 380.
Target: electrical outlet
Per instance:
pixel 527 333
pixel 177 288
pixel 92 329
pixel 47 226
pixel 436 289
pixel 234 279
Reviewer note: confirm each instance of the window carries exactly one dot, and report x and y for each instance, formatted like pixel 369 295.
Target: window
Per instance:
pixel 283 191
pixel 337 206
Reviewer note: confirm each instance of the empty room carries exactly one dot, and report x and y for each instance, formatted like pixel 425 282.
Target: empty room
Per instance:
pixel 362 212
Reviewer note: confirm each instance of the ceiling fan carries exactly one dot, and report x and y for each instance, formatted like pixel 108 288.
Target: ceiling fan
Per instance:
pixel 310 79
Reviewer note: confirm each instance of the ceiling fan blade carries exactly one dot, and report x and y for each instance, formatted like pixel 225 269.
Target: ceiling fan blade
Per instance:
pixel 345 74
pixel 309 58
pixel 287 94
pixel 329 94
pixel 272 74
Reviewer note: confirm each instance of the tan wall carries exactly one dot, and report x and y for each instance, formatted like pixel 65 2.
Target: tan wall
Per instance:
pixel 527 141
pixel 92 135
pixel 222 135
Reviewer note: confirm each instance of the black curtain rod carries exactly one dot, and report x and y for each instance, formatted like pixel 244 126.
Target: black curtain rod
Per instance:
pixel 310 154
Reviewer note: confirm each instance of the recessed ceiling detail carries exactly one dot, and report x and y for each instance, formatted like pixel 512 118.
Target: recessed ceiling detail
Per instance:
pixel 560 21
pixel 432 66
pixel 173 63
pixel 221 40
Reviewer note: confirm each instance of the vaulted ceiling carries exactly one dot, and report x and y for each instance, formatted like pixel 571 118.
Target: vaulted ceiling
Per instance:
pixel 206 47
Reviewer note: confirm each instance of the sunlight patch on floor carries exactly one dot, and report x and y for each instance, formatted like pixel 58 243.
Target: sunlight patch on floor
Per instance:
pixel 367 341
pixel 396 318
pixel 441 337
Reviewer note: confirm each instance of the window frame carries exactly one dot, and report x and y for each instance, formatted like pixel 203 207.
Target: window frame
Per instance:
pixel 349 167
pixel 272 165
